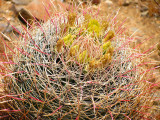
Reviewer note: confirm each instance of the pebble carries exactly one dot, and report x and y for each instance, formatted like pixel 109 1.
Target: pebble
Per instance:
pixel 96 2
pixel 5 37
pixel 22 2
pixel 143 8
pixel 3 26
pixel 37 9
pixel 145 13
pixel 109 2
pixel 124 2
pixel 7 28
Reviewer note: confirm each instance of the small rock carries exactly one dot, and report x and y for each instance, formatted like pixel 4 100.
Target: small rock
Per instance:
pixel 6 28
pixel 96 2
pixel 22 2
pixel 8 2
pixel 37 9
pixel 124 2
pixel 5 37
pixel 143 8
pixel 108 2
pixel 145 13
pixel 3 27
pixel 14 10
pixel 25 14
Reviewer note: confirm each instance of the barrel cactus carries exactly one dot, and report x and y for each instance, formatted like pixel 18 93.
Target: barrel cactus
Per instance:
pixel 77 66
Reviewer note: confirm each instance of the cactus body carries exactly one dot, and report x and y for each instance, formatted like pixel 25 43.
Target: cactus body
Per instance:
pixel 84 71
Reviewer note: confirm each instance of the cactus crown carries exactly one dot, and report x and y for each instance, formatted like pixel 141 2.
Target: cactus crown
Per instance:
pixel 87 42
